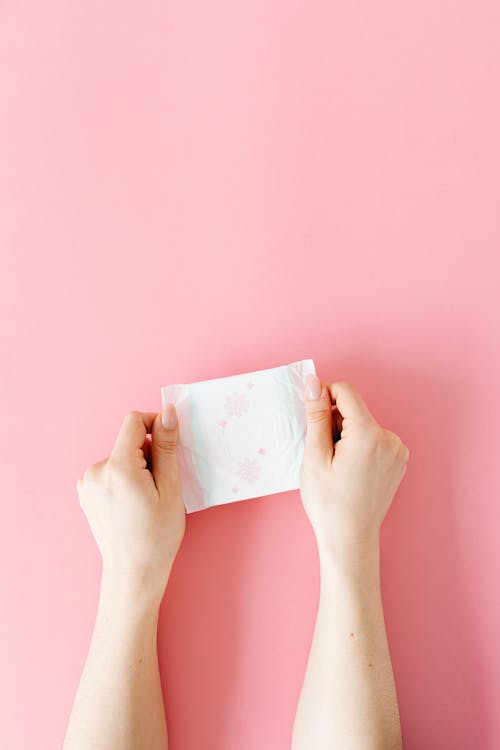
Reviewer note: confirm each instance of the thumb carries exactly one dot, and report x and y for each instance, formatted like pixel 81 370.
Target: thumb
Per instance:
pixel 164 442
pixel 319 439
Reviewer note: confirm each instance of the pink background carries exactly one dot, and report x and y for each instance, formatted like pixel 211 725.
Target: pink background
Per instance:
pixel 191 190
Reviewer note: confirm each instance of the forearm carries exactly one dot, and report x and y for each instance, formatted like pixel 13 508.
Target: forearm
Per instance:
pixel 348 698
pixel 119 703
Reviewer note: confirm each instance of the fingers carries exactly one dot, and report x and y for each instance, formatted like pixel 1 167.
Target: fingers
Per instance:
pixel 160 453
pixel 164 443
pixel 132 434
pixel 318 406
pixel 349 402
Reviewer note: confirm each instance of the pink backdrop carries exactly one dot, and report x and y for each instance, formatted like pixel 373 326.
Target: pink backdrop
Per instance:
pixel 190 190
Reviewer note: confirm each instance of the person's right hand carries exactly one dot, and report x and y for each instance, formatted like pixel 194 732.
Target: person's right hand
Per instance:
pixel 351 469
pixel 133 502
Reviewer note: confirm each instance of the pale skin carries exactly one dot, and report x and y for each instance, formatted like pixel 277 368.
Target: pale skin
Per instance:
pixel 351 470
pixel 133 502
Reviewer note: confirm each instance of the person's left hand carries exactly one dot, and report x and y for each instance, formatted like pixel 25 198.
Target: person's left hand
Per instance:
pixel 133 502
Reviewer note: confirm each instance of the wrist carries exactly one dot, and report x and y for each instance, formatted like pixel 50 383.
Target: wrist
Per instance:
pixel 351 555
pixel 353 579
pixel 125 589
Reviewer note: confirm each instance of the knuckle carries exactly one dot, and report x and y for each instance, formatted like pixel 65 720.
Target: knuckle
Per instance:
pixel 396 445
pixel 344 385
pixel 111 465
pixel 92 472
pixel 132 416
pixel 317 413
pixel 88 474
pixel 392 438
pixel 112 470
pixel 167 446
pixel 373 434
pixel 92 475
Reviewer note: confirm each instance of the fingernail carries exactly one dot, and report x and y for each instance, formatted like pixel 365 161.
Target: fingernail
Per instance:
pixel 313 386
pixel 169 417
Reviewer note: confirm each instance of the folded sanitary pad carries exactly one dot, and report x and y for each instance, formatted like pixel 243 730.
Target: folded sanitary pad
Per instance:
pixel 240 436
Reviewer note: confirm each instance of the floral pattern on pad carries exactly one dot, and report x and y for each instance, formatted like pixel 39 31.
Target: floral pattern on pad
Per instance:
pixel 236 404
pixel 249 470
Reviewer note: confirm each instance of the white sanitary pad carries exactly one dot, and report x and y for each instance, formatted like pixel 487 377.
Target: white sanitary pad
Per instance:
pixel 240 436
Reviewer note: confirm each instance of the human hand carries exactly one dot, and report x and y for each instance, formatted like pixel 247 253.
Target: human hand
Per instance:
pixel 351 469
pixel 133 503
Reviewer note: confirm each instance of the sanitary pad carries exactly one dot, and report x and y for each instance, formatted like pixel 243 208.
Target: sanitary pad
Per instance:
pixel 240 436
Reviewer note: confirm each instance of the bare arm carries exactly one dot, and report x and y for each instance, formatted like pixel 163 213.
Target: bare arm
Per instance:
pixel 134 506
pixel 348 699
pixel 119 701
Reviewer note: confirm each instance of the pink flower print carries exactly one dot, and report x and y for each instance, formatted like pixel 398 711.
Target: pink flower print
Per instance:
pixel 235 489
pixel 250 385
pixel 222 423
pixel 262 451
pixel 236 404
pixel 248 470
